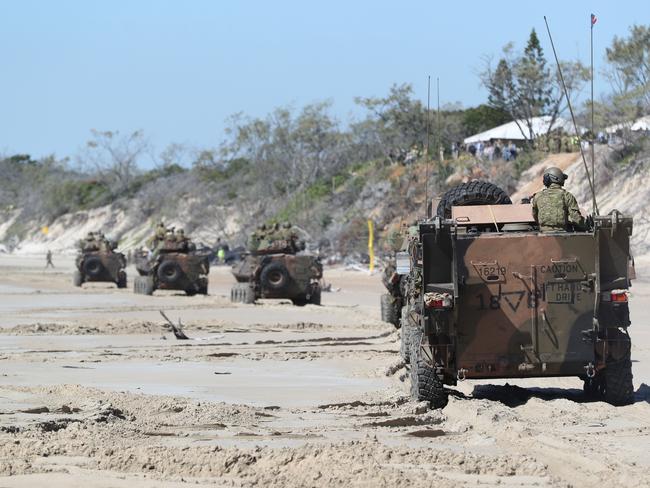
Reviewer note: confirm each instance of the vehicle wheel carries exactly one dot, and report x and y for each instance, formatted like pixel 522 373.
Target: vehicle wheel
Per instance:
pixel 169 272
pixel 405 337
pixel 92 266
pixel 248 294
pixel 274 277
pixel 143 285
pixel 121 279
pixel 425 385
pixel 472 193
pixel 592 387
pixel 315 297
pixel 242 293
pixel 299 302
pixel 389 312
pixel 149 285
pixel 203 287
pixel 77 278
pixel 617 385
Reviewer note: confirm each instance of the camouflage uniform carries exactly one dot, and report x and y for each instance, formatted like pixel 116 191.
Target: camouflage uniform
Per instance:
pixel 158 236
pixel 89 244
pixel 554 209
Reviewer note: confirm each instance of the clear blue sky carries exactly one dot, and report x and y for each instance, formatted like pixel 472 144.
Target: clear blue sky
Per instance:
pixel 178 69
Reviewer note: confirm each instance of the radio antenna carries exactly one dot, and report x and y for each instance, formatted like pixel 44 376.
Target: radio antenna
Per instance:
pixel 573 118
pixel 592 21
pixel 438 131
pixel 426 167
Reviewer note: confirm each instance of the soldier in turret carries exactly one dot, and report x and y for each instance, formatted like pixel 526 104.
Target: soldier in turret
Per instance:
pixel 89 243
pixel 256 237
pixel 554 208
pixel 158 236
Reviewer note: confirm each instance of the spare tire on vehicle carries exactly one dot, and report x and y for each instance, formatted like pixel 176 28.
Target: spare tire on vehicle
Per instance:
pixel 169 272
pixel 275 277
pixel 92 266
pixel 472 193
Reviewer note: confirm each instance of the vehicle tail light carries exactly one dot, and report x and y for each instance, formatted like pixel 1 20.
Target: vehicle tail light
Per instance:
pixel 438 301
pixel 619 296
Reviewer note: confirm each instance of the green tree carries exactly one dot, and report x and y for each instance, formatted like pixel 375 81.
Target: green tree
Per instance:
pixel 629 68
pixel 483 117
pixel 288 150
pixel 395 123
pixel 115 157
pixel 523 86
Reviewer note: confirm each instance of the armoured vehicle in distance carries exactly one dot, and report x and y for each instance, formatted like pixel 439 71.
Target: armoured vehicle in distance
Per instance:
pixel 274 269
pixel 172 266
pixel 499 299
pixel 98 261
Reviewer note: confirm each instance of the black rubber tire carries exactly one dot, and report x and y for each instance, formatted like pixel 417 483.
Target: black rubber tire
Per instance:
pixel 138 287
pixel 77 278
pixel 405 338
pixel 315 297
pixel 389 311
pixel 384 308
pixel 92 266
pixel 121 279
pixel 472 193
pixel 169 272
pixel 144 285
pixel 203 287
pixel 425 385
pixel 248 294
pixel 618 387
pixel 275 277
pixel 242 293
pixel 149 285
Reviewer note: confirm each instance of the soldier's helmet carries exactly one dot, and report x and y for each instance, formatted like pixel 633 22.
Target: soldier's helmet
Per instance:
pixel 262 227
pixel 554 175
pixel 286 225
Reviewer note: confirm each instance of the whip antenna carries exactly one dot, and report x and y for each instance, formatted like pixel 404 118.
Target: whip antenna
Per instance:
pixel 573 118
pixel 592 21
pixel 438 130
pixel 426 168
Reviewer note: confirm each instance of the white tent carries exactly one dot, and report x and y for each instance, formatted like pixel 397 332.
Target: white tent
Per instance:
pixel 512 132
pixel 642 123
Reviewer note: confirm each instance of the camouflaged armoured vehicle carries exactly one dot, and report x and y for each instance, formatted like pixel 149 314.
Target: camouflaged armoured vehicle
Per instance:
pixel 277 271
pixel 100 262
pixel 499 299
pixel 172 266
